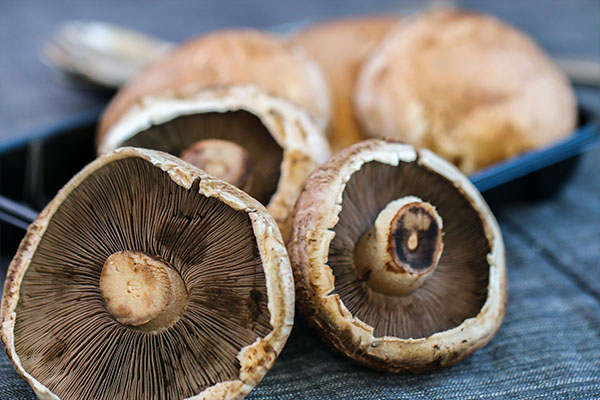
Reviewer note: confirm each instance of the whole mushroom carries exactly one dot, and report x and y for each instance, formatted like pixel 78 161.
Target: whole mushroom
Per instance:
pixel 467 86
pixel 398 262
pixel 230 58
pixel 146 278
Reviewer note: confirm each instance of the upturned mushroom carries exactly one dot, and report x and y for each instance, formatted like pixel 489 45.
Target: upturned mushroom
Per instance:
pixel 467 86
pixel 398 262
pixel 225 58
pixel 260 143
pixel 146 278
pixel 340 47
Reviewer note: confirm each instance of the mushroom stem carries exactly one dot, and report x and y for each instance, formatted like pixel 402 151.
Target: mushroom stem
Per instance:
pixel 222 158
pixel 142 291
pixel 403 247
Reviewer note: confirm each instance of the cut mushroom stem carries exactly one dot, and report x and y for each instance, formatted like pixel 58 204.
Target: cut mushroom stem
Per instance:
pixel 142 291
pixel 222 158
pixel 403 247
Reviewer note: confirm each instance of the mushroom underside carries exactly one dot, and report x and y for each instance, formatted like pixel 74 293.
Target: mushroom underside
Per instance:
pixel 240 127
pixel 457 289
pixel 64 335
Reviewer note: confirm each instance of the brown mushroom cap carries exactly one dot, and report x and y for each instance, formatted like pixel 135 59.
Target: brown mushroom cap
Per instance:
pixel 456 311
pixel 339 47
pixel 131 222
pixel 283 143
pixel 467 86
pixel 231 57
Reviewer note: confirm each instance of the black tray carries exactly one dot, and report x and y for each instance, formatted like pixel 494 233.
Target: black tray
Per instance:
pixel 35 166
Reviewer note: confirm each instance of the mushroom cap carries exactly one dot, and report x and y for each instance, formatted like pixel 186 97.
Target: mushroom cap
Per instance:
pixel 230 57
pixel 179 181
pixel 304 148
pixel 340 47
pixel 385 332
pixel 467 86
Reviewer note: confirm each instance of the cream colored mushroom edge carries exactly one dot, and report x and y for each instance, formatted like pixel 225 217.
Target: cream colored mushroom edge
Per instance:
pixel 147 278
pixel 398 262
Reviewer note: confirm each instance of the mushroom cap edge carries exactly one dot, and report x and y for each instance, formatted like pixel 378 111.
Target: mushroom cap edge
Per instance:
pixel 317 212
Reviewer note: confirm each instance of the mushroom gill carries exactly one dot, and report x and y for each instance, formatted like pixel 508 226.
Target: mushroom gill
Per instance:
pixel 239 128
pixel 67 339
pixel 456 290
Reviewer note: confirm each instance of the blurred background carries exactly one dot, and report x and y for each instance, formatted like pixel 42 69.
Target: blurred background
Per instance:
pixel 32 95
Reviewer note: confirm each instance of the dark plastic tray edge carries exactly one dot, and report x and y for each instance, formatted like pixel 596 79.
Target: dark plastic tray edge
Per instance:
pixel 491 177
pixel 586 136
pixel 72 122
